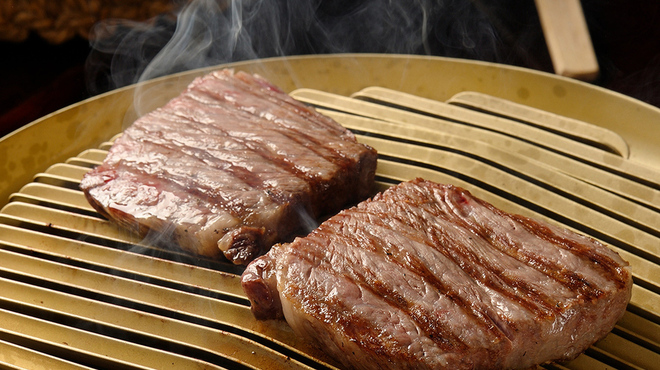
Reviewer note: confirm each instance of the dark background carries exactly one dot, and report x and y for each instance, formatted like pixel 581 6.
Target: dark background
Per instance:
pixel 38 77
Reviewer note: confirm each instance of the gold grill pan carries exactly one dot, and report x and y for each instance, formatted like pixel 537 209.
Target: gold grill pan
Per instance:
pixel 78 292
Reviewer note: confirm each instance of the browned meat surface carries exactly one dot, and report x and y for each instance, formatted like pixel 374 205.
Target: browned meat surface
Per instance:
pixel 426 276
pixel 230 166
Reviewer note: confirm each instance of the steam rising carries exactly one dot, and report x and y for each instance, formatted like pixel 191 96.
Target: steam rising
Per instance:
pixel 209 32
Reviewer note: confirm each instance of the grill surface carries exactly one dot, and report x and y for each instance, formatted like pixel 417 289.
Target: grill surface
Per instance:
pixel 76 291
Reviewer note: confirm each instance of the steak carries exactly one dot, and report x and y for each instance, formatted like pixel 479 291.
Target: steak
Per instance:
pixel 229 167
pixel 427 276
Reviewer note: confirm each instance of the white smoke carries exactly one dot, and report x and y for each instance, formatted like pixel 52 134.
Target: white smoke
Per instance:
pixel 204 33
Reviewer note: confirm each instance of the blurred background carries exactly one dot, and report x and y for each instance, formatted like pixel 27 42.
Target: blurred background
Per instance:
pixel 56 53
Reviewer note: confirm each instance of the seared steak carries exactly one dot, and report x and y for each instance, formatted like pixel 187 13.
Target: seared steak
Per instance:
pixel 231 165
pixel 425 275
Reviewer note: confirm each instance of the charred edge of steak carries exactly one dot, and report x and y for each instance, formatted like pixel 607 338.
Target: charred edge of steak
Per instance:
pixel 242 244
pixel 259 279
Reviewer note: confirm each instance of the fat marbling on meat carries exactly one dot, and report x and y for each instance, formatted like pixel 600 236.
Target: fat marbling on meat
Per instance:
pixel 230 166
pixel 426 276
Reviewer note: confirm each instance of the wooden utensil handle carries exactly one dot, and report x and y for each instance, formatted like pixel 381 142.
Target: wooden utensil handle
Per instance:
pixel 568 39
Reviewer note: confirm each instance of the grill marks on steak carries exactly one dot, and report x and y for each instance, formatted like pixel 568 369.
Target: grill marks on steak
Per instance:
pixel 232 164
pixel 427 276
pixel 498 235
pixel 531 242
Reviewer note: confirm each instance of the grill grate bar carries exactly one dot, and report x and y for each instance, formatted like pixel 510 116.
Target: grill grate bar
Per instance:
pixel 81 162
pixel 92 155
pixel 576 129
pixel 57 180
pixel 70 172
pixel 116 260
pixel 208 342
pixel 13 356
pixel 636 327
pixel 87 348
pixel 79 291
pixel 54 197
pixel 575 150
pixel 644 356
pixel 79 225
pixel 502 116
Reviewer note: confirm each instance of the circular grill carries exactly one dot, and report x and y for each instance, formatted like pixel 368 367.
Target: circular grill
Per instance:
pixel 78 291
